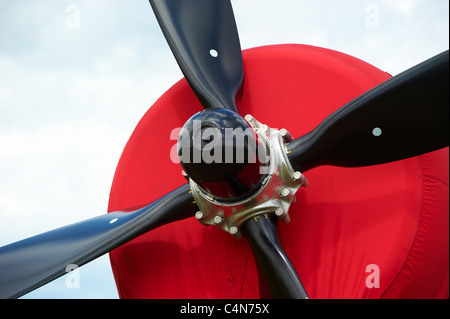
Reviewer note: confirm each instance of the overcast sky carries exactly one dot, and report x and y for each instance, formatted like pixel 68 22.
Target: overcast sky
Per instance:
pixel 76 77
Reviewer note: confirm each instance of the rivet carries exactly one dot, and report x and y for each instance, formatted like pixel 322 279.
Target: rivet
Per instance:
pixel 279 212
pixel 233 230
pixel 297 175
pixel 285 134
pixel 285 192
pixel 199 215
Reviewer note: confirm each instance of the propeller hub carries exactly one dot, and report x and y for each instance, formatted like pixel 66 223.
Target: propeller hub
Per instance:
pixel 223 154
pixel 274 193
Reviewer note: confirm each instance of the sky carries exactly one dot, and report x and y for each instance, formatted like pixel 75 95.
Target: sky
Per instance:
pixel 76 76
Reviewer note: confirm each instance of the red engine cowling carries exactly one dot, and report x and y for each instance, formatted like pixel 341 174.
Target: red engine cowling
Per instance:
pixel 372 232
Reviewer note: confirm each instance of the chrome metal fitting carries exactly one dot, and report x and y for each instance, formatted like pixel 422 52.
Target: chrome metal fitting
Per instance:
pixel 275 195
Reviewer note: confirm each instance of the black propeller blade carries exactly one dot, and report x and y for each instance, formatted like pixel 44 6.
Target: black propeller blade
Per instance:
pixel 203 37
pixel 33 262
pixel 405 116
pixel 277 276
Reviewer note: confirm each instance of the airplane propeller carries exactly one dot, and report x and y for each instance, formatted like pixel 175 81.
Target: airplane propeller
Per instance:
pixel 403 117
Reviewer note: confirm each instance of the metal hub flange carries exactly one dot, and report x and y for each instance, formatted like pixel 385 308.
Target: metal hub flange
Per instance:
pixel 275 195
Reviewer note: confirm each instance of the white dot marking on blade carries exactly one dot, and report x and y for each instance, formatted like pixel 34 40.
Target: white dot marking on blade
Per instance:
pixel 214 53
pixel 377 131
